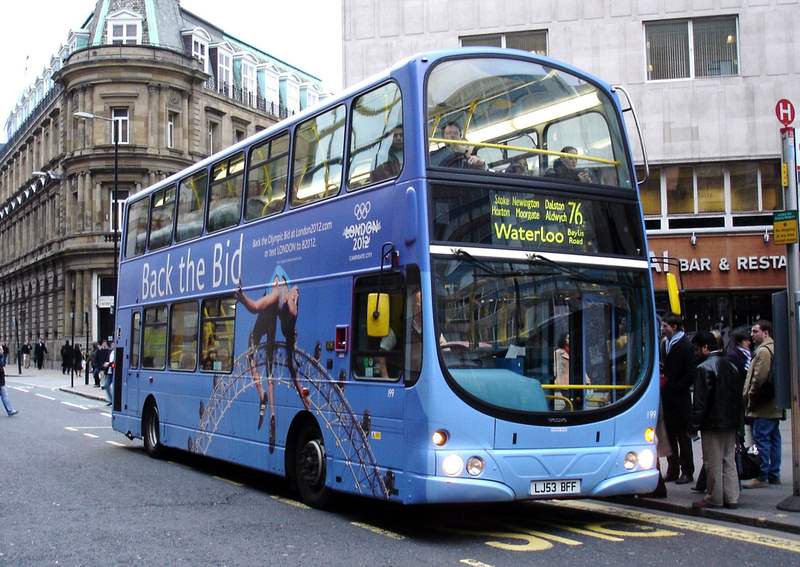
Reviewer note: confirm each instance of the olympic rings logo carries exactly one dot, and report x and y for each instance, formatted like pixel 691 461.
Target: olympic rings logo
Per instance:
pixel 361 210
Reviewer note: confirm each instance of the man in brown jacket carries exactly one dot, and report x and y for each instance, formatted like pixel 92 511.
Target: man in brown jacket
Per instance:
pixel 759 403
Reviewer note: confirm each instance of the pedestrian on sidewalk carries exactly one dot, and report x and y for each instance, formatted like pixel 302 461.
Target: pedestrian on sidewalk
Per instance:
pixel 100 359
pixel 39 350
pixel 678 364
pixel 108 368
pixel 26 354
pixel 4 395
pixel 77 359
pixel 759 401
pixel 66 358
pixel 717 414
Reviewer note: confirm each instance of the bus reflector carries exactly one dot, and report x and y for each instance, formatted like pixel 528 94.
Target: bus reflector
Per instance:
pixel 341 338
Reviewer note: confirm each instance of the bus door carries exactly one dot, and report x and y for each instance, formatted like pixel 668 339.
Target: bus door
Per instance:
pixel 116 377
pixel 384 360
pixel 128 369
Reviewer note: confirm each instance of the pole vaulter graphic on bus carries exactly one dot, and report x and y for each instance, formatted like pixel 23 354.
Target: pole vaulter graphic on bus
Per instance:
pixel 270 361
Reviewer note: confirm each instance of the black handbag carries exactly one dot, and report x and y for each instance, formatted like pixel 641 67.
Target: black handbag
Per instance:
pixel 748 465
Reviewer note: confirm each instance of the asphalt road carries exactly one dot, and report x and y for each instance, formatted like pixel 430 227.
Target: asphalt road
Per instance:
pixel 73 492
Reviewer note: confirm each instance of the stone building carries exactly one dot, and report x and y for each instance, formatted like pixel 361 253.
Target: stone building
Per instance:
pixel 705 77
pixel 174 88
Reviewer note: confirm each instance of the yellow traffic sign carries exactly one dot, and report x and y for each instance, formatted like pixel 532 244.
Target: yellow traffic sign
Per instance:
pixel 784 227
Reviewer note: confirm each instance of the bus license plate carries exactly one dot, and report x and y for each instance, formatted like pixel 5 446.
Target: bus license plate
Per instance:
pixel 555 487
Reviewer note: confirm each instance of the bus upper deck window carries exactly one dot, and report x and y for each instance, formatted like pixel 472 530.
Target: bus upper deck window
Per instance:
pixel 267 177
pixel 377 137
pixel 225 193
pixel 318 155
pixel 162 214
pixel 136 229
pixel 191 204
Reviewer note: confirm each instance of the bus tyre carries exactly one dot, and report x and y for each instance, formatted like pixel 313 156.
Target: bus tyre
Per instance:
pixel 310 467
pixel 150 432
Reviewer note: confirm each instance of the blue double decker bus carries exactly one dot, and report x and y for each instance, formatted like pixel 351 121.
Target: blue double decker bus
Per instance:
pixel 432 288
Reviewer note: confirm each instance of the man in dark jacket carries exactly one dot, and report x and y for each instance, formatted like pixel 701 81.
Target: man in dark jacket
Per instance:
pixel 717 414
pixel 677 365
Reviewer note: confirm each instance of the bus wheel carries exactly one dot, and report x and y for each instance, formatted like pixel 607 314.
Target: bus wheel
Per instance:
pixel 310 467
pixel 150 432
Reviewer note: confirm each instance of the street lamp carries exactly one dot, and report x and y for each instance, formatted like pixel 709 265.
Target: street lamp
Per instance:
pixel 114 212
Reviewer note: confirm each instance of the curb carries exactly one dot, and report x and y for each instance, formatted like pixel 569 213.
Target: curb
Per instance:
pixel 74 392
pixel 711 514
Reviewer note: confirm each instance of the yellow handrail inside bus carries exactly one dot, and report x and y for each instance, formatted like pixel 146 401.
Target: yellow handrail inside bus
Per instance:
pixel 522 149
pixel 563 399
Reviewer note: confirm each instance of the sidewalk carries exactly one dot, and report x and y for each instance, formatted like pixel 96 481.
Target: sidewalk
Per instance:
pixel 757 507
pixel 72 384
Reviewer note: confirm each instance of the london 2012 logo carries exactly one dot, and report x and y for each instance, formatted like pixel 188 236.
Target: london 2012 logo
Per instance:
pixel 361 231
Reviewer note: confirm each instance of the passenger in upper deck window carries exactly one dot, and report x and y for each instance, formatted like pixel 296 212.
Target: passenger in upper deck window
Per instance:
pixel 564 167
pixel 455 155
pixel 394 159
pixel 517 166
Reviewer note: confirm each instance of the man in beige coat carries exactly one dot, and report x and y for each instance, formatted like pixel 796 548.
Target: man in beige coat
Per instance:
pixel 759 403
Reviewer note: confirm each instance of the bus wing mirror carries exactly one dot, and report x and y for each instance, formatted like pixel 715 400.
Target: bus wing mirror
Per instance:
pixel 378 315
pixel 674 295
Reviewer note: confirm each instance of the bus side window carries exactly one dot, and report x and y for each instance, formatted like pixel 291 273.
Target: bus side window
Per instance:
pixel 162 214
pixel 318 154
pixel 217 325
pixel 225 200
pixel 266 178
pixel 136 327
pixel 376 140
pixel 154 338
pixel 183 336
pixel 191 204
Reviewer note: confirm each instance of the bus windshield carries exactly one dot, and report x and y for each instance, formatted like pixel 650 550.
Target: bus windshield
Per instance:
pixel 540 337
pixel 523 118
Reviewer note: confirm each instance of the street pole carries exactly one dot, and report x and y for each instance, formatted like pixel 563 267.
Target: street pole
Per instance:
pixel 19 355
pixel 72 362
pixel 115 212
pixel 86 352
pixel 789 161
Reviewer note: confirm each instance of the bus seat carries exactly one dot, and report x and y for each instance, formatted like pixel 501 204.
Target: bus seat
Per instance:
pixel 161 237
pixel 187 230
pixel 223 215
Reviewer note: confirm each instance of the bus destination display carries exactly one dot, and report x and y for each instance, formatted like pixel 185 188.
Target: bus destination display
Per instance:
pixel 526 221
